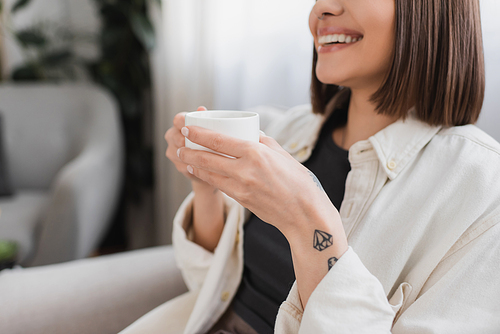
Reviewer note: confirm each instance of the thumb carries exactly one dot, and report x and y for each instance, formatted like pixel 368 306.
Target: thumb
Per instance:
pixel 272 144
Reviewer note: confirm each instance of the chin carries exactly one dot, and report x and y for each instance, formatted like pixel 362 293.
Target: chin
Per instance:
pixel 329 79
pixel 331 75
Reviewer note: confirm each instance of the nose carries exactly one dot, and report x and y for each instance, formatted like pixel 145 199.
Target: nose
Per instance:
pixel 324 8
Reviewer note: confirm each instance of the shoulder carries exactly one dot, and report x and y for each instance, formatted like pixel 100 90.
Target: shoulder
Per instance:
pixel 474 166
pixel 297 131
pixel 273 119
pixel 466 147
pixel 466 161
pixel 457 175
pixel 292 117
pixel 296 123
pixel 469 136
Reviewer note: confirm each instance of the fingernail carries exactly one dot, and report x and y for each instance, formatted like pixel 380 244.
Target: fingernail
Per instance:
pixel 178 153
pixel 190 169
pixel 185 131
pixel 262 133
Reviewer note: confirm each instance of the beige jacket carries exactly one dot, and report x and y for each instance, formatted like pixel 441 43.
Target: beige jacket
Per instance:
pixel 421 212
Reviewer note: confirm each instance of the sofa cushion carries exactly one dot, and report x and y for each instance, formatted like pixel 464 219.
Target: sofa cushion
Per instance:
pixel 98 295
pixel 19 215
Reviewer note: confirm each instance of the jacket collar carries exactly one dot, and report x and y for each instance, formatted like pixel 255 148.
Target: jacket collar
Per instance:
pixel 397 144
pixel 394 146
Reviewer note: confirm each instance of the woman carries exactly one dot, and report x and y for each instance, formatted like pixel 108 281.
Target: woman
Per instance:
pixel 411 244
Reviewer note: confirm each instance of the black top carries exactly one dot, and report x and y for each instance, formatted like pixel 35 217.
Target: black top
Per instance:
pixel 268 269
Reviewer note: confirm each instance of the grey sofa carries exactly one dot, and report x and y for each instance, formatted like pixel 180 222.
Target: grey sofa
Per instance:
pixel 64 150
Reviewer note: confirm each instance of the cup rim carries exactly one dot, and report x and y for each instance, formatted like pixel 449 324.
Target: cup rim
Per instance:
pixel 243 114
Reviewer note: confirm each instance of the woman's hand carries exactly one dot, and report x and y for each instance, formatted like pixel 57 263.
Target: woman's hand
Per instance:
pixel 175 140
pixel 208 203
pixel 263 177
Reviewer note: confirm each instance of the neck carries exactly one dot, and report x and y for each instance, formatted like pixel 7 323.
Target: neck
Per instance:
pixel 362 120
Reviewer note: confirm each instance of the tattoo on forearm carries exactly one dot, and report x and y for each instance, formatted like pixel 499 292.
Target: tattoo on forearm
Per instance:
pixel 331 262
pixel 322 240
pixel 315 179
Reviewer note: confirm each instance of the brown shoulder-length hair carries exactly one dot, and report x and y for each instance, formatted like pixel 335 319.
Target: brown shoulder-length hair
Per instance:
pixel 437 65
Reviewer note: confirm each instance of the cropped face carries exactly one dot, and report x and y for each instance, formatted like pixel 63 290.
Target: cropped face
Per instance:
pixel 354 40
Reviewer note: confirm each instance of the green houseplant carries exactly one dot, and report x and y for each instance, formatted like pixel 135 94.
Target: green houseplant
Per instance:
pixel 8 254
pixel 47 50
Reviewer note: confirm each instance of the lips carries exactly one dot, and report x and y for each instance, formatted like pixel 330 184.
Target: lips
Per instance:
pixel 337 38
pixel 338 30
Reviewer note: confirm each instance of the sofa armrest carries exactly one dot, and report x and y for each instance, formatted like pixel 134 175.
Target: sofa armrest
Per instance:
pixel 85 191
pixel 97 295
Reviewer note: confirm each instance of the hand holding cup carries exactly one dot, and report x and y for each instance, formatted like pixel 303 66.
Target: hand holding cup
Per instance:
pixel 175 141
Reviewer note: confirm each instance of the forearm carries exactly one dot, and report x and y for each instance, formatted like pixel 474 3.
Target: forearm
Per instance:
pixel 208 216
pixel 315 249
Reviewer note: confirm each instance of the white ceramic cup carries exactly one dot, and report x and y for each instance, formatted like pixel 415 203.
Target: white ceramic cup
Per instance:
pixel 238 124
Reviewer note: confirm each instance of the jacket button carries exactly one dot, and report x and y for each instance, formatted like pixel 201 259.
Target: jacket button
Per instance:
pixel 391 164
pixel 238 237
pixel 224 296
pixel 303 152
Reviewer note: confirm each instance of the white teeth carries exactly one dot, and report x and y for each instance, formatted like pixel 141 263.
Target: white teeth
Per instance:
pixel 341 38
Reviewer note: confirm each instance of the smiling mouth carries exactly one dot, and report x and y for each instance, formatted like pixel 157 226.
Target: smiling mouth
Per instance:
pixel 333 39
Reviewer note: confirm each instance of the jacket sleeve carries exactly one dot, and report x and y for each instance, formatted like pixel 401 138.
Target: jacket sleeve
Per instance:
pixel 460 296
pixel 192 259
pixel 349 299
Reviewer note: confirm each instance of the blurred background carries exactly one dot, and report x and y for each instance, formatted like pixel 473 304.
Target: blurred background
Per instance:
pixel 89 87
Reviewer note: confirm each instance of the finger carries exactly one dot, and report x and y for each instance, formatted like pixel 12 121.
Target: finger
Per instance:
pixel 171 154
pixel 174 138
pixel 178 139
pixel 262 136
pixel 168 134
pixel 179 120
pixel 215 180
pixel 272 144
pixel 216 141
pixel 208 161
pixel 268 141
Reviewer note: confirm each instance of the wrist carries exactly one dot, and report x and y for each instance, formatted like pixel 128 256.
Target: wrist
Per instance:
pixel 316 226
pixel 311 212
pixel 200 187
pixel 208 216
pixel 315 249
